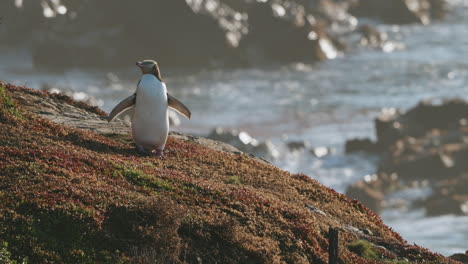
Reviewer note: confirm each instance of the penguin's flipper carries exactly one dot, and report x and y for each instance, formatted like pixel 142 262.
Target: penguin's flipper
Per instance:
pixel 178 106
pixel 122 106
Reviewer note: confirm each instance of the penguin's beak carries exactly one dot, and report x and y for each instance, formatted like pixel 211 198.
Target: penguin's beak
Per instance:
pixel 139 64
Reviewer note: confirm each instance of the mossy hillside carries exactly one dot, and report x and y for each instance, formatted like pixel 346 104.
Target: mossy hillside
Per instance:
pixel 74 196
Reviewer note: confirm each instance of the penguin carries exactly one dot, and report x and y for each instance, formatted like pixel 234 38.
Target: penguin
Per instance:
pixel 150 120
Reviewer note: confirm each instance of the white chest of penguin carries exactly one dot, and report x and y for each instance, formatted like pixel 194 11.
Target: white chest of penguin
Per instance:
pixel 150 122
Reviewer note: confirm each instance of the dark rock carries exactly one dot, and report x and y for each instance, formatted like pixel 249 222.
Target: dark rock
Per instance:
pixel 431 166
pixel 426 117
pixel 372 189
pixel 444 115
pixel 441 204
pixel 439 8
pixel 463 258
pixel 367 195
pixel 449 197
pixel 387 128
pixel 371 36
pixel 400 11
pixel 297 145
pixel 100 37
pixel 244 142
pixel 426 144
pixel 218 32
pixel 223 31
pixel 357 144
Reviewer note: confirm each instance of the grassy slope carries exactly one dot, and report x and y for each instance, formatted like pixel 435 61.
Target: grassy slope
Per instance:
pixel 72 196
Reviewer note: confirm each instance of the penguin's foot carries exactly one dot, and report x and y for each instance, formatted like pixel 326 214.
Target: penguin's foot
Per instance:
pixel 159 154
pixel 144 152
pixel 140 148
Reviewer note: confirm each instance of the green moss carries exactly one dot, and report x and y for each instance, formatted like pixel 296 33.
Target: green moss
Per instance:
pixel 139 178
pixel 6 104
pixel 5 255
pixel 364 249
pixel 234 179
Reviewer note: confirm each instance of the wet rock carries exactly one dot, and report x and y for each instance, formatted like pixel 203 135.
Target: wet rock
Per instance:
pixel 463 258
pixel 244 142
pixel 371 36
pixel 90 34
pixel 366 194
pixel 64 34
pixel 431 166
pixel 400 11
pixel 297 145
pixel 441 204
pixel 426 117
pixel 387 128
pixel 428 143
pixel 440 115
pixel 98 37
pixel 439 8
pixel 364 145
pixel 449 197
pixel 318 152
pixel 293 32
pixel 372 189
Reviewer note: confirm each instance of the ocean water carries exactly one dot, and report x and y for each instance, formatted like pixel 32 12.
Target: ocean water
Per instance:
pixel 323 104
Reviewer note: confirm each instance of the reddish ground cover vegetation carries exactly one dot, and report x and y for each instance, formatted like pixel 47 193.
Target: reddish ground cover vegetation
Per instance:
pixel 74 196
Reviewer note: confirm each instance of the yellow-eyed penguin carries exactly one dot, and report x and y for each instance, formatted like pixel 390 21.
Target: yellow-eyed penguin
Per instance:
pixel 150 120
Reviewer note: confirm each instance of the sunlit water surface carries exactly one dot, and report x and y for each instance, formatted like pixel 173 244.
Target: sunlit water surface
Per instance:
pixel 323 104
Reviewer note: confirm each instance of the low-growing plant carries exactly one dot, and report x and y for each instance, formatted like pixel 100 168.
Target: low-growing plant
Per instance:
pixel 7 106
pixel 5 255
pixel 234 179
pixel 141 179
pixel 364 249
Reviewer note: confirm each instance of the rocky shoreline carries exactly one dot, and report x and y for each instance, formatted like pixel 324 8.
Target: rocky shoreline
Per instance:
pixel 78 192
pixel 66 34
pixel 424 147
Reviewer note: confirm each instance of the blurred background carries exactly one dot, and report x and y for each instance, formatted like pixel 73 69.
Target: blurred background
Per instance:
pixel 358 94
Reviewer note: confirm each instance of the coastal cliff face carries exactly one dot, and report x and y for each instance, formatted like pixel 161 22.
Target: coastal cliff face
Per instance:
pixel 74 190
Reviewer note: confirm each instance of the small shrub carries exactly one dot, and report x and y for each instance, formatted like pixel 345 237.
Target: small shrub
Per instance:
pixel 7 106
pixel 234 179
pixel 364 249
pixel 5 255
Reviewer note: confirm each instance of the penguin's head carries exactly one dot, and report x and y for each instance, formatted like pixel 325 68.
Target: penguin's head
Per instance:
pixel 149 67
